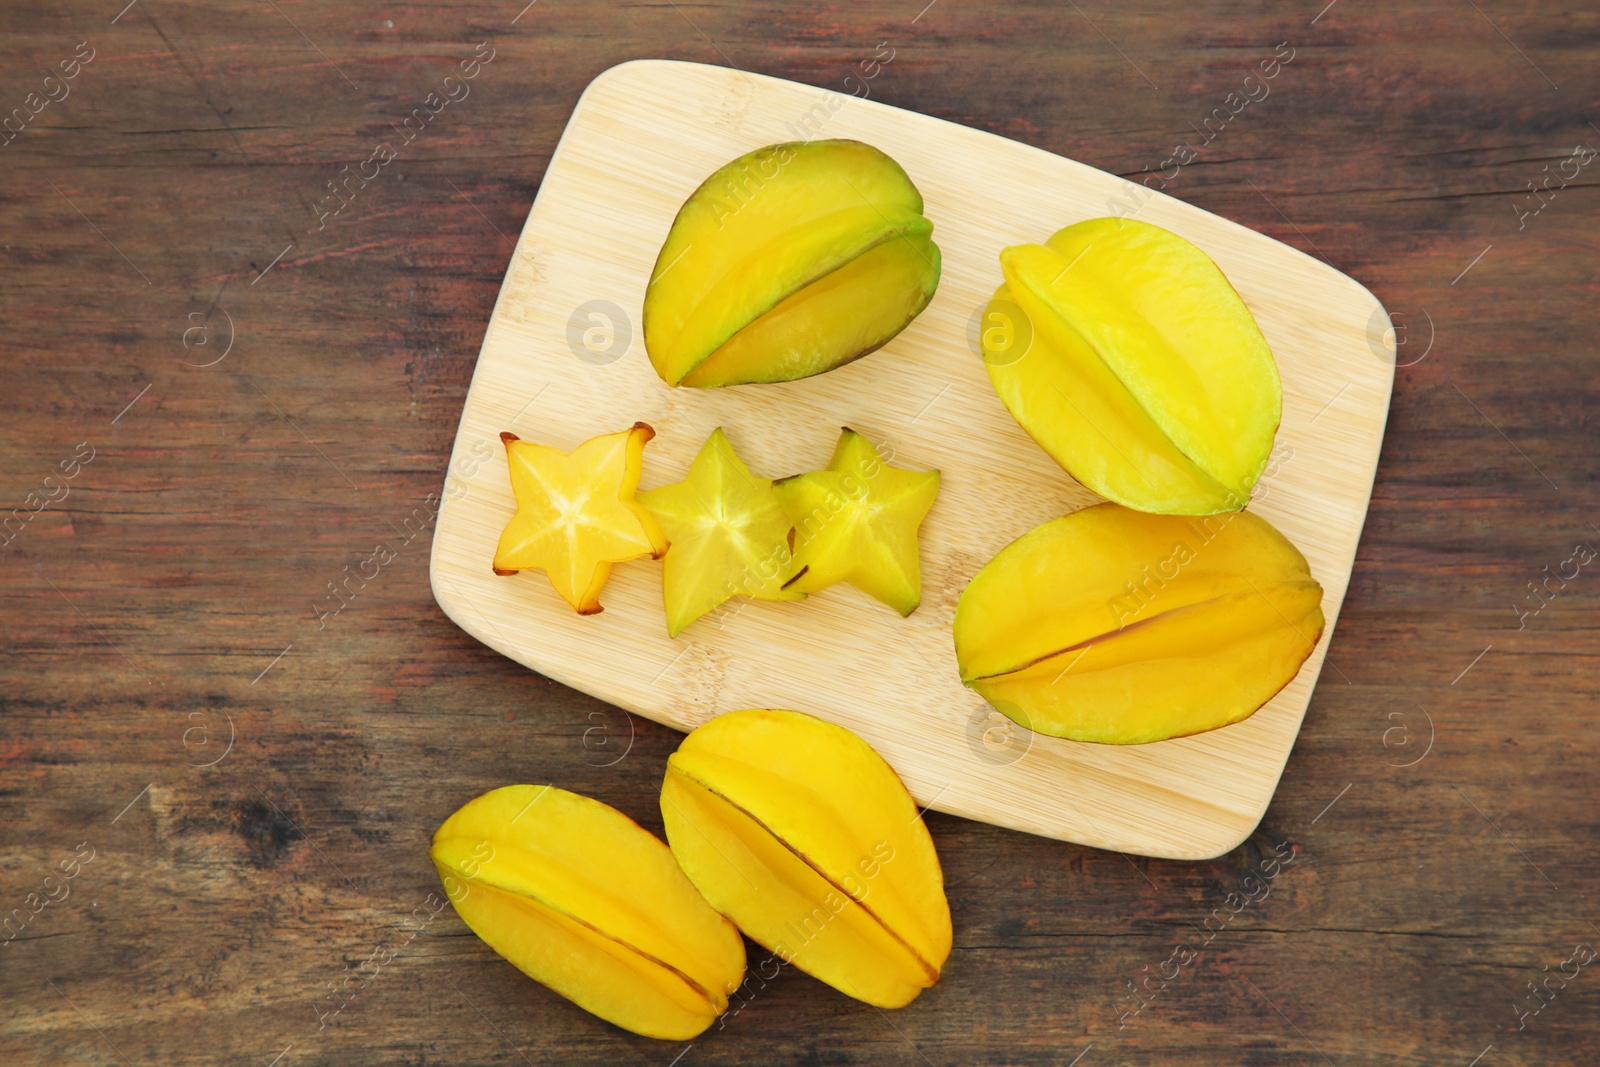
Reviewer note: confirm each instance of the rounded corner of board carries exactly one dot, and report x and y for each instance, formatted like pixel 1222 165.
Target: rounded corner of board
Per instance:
pixel 630 71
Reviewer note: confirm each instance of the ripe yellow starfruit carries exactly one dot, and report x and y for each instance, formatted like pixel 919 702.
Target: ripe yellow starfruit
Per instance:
pixel 1125 353
pixel 579 897
pixel 576 513
pixel 800 833
pixel 1122 627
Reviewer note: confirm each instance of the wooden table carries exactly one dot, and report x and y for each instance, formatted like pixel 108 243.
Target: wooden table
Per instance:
pixel 222 398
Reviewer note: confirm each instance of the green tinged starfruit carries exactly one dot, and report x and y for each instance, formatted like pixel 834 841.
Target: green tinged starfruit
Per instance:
pixel 857 522
pixel 729 536
pixel 789 261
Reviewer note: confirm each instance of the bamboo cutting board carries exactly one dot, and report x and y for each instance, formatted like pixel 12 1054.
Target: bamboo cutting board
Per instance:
pixel 564 360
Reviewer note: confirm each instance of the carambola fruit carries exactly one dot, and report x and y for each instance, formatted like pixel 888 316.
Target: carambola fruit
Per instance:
pixel 801 834
pixel 578 896
pixel 1121 627
pixel 787 262
pixel 857 522
pixel 729 535
pixel 576 513
pixel 1124 351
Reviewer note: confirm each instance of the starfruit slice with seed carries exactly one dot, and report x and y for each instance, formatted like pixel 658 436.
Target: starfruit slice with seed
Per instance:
pixel 857 522
pixel 1124 351
pixel 579 897
pixel 801 834
pixel 729 535
pixel 576 513
pixel 1122 627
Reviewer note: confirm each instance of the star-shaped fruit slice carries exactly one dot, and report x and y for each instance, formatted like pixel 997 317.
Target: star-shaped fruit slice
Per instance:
pixel 857 522
pixel 729 534
pixel 576 513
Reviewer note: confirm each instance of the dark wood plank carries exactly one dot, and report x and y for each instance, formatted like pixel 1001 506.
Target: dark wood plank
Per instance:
pixel 175 186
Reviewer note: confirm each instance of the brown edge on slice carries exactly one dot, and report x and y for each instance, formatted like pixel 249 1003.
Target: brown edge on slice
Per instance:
pixel 649 435
pixel 506 437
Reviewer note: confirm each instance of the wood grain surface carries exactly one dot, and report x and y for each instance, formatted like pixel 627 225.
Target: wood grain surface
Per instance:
pixel 560 364
pixel 234 713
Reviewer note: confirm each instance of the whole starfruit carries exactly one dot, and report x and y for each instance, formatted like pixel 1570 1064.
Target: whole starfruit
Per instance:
pixel 801 834
pixel 1122 627
pixel 578 896
pixel 787 262
pixel 1124 351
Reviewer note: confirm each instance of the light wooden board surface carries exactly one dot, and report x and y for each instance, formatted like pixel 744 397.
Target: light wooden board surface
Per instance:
pixel 642 137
